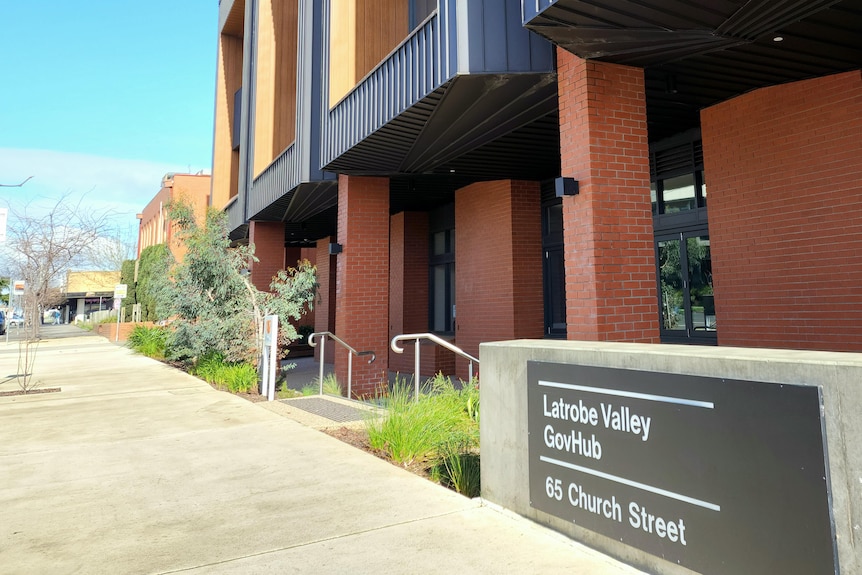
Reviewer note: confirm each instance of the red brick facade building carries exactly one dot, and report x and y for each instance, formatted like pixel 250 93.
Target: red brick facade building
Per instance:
pixel 648 174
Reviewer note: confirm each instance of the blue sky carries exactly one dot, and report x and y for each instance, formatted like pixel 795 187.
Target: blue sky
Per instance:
pixel 103 97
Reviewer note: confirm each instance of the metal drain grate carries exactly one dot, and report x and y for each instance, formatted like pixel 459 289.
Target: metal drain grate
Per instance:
pixel 328 409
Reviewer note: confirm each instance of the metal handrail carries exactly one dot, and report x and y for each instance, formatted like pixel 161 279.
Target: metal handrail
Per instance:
pixel 436 339
pixel 336 339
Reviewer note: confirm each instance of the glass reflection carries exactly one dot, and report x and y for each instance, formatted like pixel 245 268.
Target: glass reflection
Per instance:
pixel 670 272
pixel 679 194
pixel 700 283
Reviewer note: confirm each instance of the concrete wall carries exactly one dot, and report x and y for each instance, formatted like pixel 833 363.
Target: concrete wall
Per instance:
pixel 504 423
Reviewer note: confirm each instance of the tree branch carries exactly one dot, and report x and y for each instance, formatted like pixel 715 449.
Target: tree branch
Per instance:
pixel 16 185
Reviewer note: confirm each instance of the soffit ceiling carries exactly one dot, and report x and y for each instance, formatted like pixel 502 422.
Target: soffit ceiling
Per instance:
pixel 697 53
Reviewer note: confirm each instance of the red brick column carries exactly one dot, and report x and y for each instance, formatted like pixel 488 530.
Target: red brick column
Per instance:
pixel 408 286
pixel 498 264
pixel 324 305
pixel 362 289
pixel 610 263
pixel 268 240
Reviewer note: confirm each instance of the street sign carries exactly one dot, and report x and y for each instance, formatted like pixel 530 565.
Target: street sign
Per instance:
pixel 270 356
pixel 692 469
pixel 18 287
pixel 120 291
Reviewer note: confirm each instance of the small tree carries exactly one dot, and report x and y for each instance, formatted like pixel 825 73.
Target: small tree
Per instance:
pixel 154 263
pixel 4 287
pixel 127 277
pixel 44 244
pixel 210 300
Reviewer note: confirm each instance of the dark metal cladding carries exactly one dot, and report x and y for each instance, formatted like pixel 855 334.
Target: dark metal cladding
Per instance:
pixel 696 54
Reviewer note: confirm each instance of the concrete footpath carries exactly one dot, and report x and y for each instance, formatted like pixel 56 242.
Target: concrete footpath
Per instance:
pixel 135 467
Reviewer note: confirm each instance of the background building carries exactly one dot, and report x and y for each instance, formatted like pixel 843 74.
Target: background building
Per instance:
pixel 154 223
pixel 88 292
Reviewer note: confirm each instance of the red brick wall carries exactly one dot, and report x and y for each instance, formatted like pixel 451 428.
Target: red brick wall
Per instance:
pixel 324 315
pixel 154 225
pixel 408 288
pixel 784 178
pixel 362 290
pixel 109 330
pixel 610 264
pixel 498 264
pixel 268 240
pixel 309 254
pixel 153 228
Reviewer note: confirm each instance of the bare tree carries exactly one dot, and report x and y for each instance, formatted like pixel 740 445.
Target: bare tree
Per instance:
pixel 43 244
pixel 16 185
pixel 108 253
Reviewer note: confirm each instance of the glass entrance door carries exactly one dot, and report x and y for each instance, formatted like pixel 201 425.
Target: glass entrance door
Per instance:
pixel 554 269
pixel 686 298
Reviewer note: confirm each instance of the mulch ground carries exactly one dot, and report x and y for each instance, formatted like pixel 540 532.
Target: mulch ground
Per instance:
pixel 356 437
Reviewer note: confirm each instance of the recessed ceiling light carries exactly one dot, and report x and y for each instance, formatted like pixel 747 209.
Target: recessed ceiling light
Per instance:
pixel 778 39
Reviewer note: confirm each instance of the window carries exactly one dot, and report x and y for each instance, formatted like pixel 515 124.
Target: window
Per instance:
pixel 682 249
pixel 686 298
pixel 442 276
pixel 682 193
pixel 553 267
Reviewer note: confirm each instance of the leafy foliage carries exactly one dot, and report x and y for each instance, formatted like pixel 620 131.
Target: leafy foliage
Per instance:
pixel 153 267
pixel 235 377
pixel 292 292
pixel 458 465
pixel 441 430
pixel 149 341
pixel 212 305
pixel 127 276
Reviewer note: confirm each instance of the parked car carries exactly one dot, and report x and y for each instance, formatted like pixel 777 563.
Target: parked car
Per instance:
pixel 2 322
pixel 16 320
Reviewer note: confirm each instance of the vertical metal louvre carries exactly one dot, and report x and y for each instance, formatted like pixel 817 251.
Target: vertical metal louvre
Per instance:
pixel 412 71
pixel 281 176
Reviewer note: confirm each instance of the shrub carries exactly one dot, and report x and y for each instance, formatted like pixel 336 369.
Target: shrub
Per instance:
pixel 149 341
pixel 433 430
pixel 235 377
pixel 458 465
pixel 331 385
pixel 240 377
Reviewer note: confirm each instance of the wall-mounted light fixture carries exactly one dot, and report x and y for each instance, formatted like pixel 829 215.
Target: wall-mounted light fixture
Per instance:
pixel 334 249
pixel 565 187
pixel 670 85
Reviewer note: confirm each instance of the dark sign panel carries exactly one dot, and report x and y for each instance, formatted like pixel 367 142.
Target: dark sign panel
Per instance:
pixel 721 476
